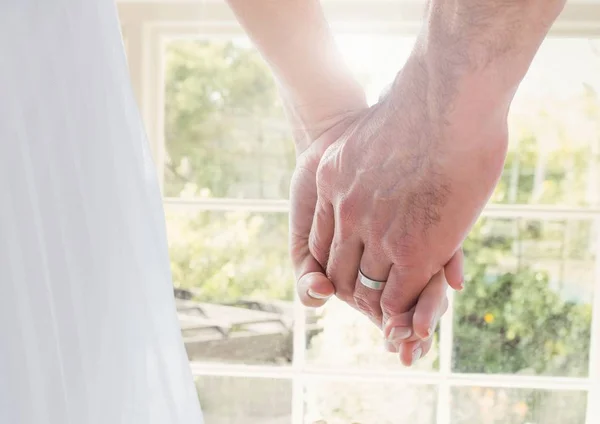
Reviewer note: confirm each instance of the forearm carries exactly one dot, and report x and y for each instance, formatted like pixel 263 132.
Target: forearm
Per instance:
pixel 471 55
pixel 294 38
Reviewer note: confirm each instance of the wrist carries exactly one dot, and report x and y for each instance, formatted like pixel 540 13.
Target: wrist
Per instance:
pixel 485 30
pixel 470 58
pixel 323 115
pixel 463 113
pixel 492 43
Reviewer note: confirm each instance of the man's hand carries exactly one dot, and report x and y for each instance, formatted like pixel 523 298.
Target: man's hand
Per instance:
pixel 412 329
pixel 398 191
pixel 401 186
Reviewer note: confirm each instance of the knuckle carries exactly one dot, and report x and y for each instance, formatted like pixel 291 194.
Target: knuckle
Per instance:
pixel 416 274
pixel 344 232
pixel 366 307
pixel 348 210
pixel 389 305
pixel 325 175
pixel 348 151
pixel 400 247
pixel 345 295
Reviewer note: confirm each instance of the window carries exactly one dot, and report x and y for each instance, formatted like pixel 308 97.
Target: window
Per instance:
pixel 519 345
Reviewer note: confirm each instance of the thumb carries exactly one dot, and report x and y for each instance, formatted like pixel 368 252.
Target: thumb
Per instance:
pixel 314 288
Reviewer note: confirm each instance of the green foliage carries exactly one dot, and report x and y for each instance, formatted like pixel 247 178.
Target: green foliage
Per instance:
pixel 228 256
pixel 223 120
pixel 512 322
pixel 226 137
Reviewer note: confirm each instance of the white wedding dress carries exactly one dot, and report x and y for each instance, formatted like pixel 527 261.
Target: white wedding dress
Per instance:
pixel 88 328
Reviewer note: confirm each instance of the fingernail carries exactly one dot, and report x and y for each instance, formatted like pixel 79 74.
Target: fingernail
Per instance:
pixel 430 332
pixel 416 355
pixel 399 333
pixel 318 296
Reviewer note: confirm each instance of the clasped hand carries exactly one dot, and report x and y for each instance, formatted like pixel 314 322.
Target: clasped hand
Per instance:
pixel 391 191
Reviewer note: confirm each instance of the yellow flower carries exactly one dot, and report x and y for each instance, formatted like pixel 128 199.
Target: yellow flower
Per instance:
pixel 521 408
pixel 489 318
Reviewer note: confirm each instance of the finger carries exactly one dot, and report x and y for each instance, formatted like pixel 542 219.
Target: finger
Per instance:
pixel 402 290
pixel 454 271
pixel 321 232
pixel 399 329
pixel 431 305
pixel 426 345
pixel 312 285
pixel 314 289
pixel 375 267
pixel 342 267
pixel 420 322
pixel 411 352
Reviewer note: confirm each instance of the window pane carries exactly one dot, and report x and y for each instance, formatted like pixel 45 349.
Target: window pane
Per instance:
pixel 526 307
pixel 231 400
pixel 554 151
pixel 517 406
pixel 340 337
pixel 234 285
pixel 359 402
pixel 225 131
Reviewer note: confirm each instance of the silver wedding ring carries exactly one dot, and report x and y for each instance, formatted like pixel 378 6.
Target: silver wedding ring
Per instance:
pixel 368 282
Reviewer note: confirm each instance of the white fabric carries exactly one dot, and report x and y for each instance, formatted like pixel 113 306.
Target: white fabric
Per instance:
pixel 88 329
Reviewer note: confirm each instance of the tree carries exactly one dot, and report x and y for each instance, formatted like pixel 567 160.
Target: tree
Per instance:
pixel 226 134
pixel 226 137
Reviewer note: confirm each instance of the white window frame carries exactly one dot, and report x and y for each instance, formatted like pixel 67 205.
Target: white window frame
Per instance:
pixel 148 25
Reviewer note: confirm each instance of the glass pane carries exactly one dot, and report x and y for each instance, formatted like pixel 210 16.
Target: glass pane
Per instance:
pixel 554 150
pixel 336 402
pixel 527 306
pixel 517 406
pixel 234 285
pixel 340 337
pixel 233 400
pixel 225 131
